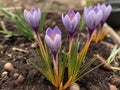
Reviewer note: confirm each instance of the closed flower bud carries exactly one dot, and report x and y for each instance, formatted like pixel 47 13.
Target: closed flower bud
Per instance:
pixel 33 17
pixel 71 21
pixel 106 12
pixel 92 17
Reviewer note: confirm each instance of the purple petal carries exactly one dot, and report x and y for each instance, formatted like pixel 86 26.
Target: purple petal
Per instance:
pixel 66 22
pixel 32 10
pixel 107 12
pixel 99 17
pixel 70 12
pixel 39 14
pixel 49 41
pixel 57 30
pixel 29 19
pixel 57 42
pixel 103 7
pixel 90 19
pixel 36 19
pixel 86 11
pixel 75 22
pixel 96 9
pixel 25 15
pixel 49 32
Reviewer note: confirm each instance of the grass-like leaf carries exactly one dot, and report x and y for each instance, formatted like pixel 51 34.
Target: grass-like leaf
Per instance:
pixel 113 54
pixel 72 58
pixel 23 28
pixel 62 64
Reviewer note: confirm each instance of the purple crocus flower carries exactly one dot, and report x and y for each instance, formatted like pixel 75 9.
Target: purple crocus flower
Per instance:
pixel 33 18
pixel 92 18
pixel 106 12
pixel 71 21
pixel 53 38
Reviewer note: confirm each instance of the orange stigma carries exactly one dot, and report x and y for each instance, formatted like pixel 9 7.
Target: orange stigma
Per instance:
pixel 31 11
pixel 53 36
pixel 71 16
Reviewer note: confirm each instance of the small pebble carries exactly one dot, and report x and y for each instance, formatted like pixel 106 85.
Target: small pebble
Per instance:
pixel 83 3
pixel 116 64
pixel 53 23
pixel 20 79
pixel 22 45
pixel 74 86
pixel 15 75
pixel 2 47
pixel 115 80
pixel 33 45
pixel 112 87
pixel 93 87
pixel 4 74
pixel 9 67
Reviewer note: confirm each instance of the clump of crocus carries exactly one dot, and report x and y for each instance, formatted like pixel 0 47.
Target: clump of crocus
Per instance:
pixel 71 21
pixel 33 18
pixel 73 59
pixel 100 33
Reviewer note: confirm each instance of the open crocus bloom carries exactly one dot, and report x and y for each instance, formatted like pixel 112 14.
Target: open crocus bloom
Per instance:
pixel 106 12
pixel 53 39
pixel 92 18
pixel 71 21
pixel 33 18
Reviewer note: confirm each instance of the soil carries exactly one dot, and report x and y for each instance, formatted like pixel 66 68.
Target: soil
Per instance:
pixel 99 79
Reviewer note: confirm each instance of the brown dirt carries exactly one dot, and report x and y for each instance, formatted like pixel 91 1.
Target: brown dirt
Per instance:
pixel 99 79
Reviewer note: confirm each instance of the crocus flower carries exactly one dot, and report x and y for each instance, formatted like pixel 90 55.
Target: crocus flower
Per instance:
pixel 71 21
pixel 53 38
pixel 92 18
pixel 33 18
pixel 106 12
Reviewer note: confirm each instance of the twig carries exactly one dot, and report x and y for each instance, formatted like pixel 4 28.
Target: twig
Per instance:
pixel 108 44
pixel 18 49
pixel 3 26
pixel 104 62
pixel 112 33
pixel 106 65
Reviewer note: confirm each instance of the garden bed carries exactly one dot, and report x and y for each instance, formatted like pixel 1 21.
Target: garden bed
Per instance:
pixel 18 51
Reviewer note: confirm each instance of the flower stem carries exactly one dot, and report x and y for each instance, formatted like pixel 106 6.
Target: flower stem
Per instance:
pixel 42 50
pixel 69 53
pixel 68 83
pixel 56 69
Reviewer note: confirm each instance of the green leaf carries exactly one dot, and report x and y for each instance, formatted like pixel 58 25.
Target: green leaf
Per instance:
pixel 23 28
pixel 113 54
pixel 62 63
pixel 72 58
